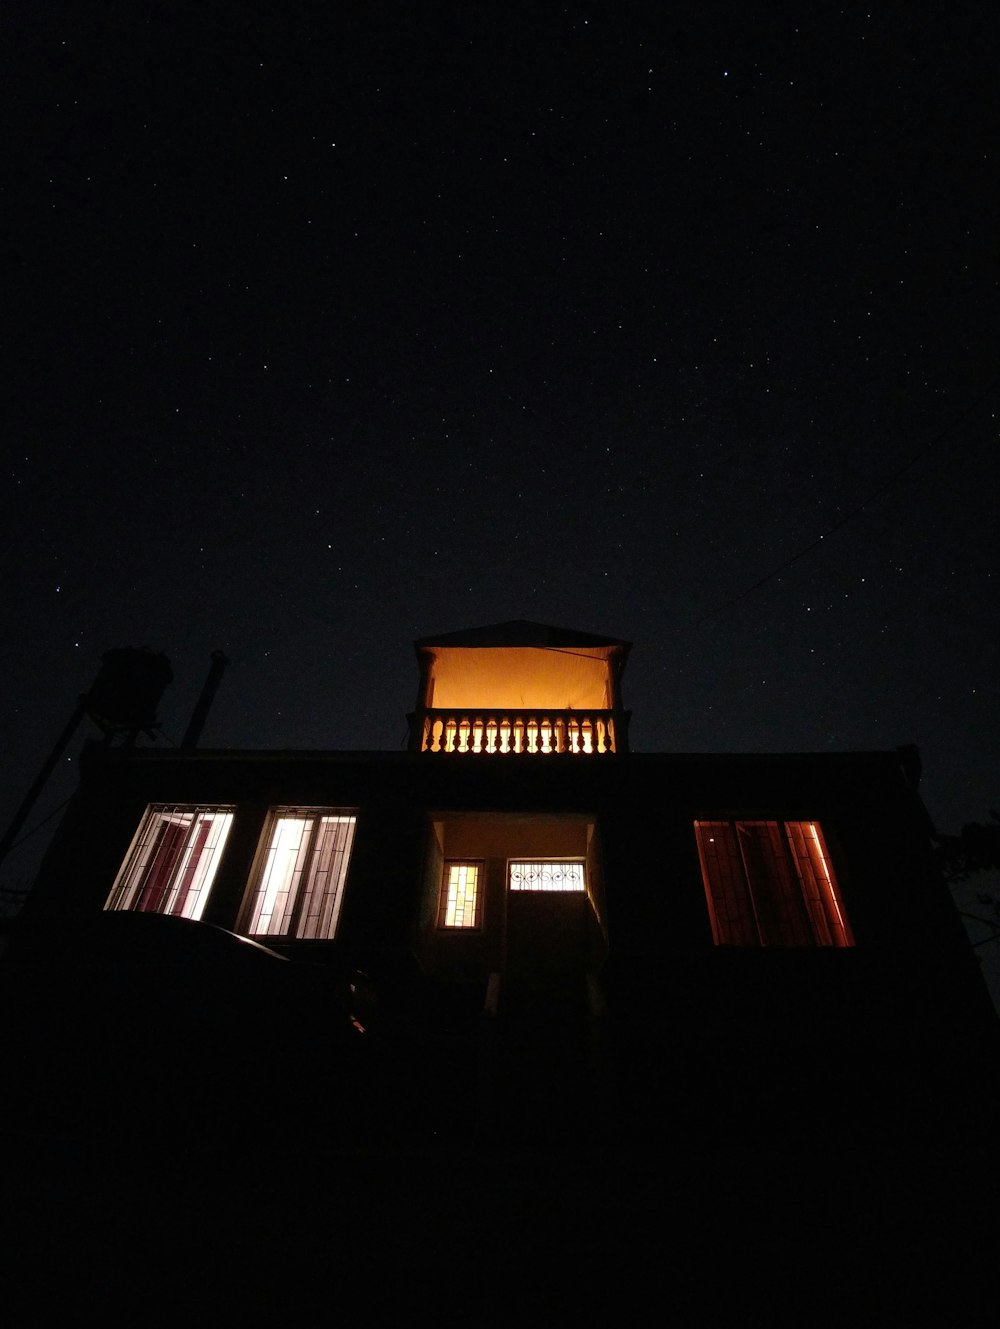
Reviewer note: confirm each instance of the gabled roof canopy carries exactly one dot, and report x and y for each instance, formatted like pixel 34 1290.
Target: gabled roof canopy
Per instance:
pixel 522 632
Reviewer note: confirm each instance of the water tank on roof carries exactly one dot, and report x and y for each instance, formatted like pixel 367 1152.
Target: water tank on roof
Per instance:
pixel 128 688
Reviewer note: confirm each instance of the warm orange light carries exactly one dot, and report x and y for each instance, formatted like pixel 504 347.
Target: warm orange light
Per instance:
pixel 520 678
pixel 518 700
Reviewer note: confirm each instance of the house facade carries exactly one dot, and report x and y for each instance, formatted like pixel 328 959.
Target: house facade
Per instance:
pixel 547 933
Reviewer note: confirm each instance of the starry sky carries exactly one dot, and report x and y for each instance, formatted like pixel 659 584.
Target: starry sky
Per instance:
pixel 331 326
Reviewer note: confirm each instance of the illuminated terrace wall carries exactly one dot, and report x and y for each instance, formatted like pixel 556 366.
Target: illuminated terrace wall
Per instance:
pixel 509 700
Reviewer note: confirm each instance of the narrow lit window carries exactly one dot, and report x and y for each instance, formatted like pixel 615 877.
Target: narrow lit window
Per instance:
pixel 460 895
pixel 173 861
pixel 547 875
pixel 770 883
pixel 299 886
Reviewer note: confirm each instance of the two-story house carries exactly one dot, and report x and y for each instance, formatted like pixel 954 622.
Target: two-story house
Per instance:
pixel 546 933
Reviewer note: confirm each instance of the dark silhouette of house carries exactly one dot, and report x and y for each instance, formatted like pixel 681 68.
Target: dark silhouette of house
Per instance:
pixel 518 1020
pixel 545 935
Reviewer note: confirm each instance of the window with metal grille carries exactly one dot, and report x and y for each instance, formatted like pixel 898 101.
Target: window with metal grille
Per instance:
pixel 770 883
pixel 298 887
pixel 547 875
pixel 173 861
pixel 460 895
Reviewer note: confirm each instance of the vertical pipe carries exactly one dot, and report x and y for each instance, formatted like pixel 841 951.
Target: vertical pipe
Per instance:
pixel 199 715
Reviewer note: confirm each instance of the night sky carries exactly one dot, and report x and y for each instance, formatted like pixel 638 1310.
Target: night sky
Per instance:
pixel 327 327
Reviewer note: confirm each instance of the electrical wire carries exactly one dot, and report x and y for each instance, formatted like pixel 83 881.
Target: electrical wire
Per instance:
pixel 887 484
pixel 28 834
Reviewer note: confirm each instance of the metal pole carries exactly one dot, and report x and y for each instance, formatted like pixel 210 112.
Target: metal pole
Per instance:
pixel 199 715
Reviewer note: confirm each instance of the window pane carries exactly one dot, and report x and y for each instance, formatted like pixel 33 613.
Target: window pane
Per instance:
pixel 726 887
pixel 460 894
pixel 818 888
pixel 775 892
pixel 324 886
pixel 280 876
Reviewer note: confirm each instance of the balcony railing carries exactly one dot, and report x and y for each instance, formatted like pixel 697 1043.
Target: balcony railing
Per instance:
pixel 506 732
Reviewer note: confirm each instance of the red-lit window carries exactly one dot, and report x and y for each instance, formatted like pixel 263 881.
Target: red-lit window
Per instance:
pixel 173 860
pixel 770 883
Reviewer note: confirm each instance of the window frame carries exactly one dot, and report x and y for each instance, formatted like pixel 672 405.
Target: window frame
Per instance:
pixel 774 895
pixel 154 864
pixel 574 859
pixel 294 912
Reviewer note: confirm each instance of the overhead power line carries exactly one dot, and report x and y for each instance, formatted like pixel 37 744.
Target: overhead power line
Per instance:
pixel 886 484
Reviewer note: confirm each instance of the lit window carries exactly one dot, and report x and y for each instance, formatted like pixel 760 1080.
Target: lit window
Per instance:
pixel 770 883
pixel 460 895
pixel 173 860
pixel 299 886
pixel 547 875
